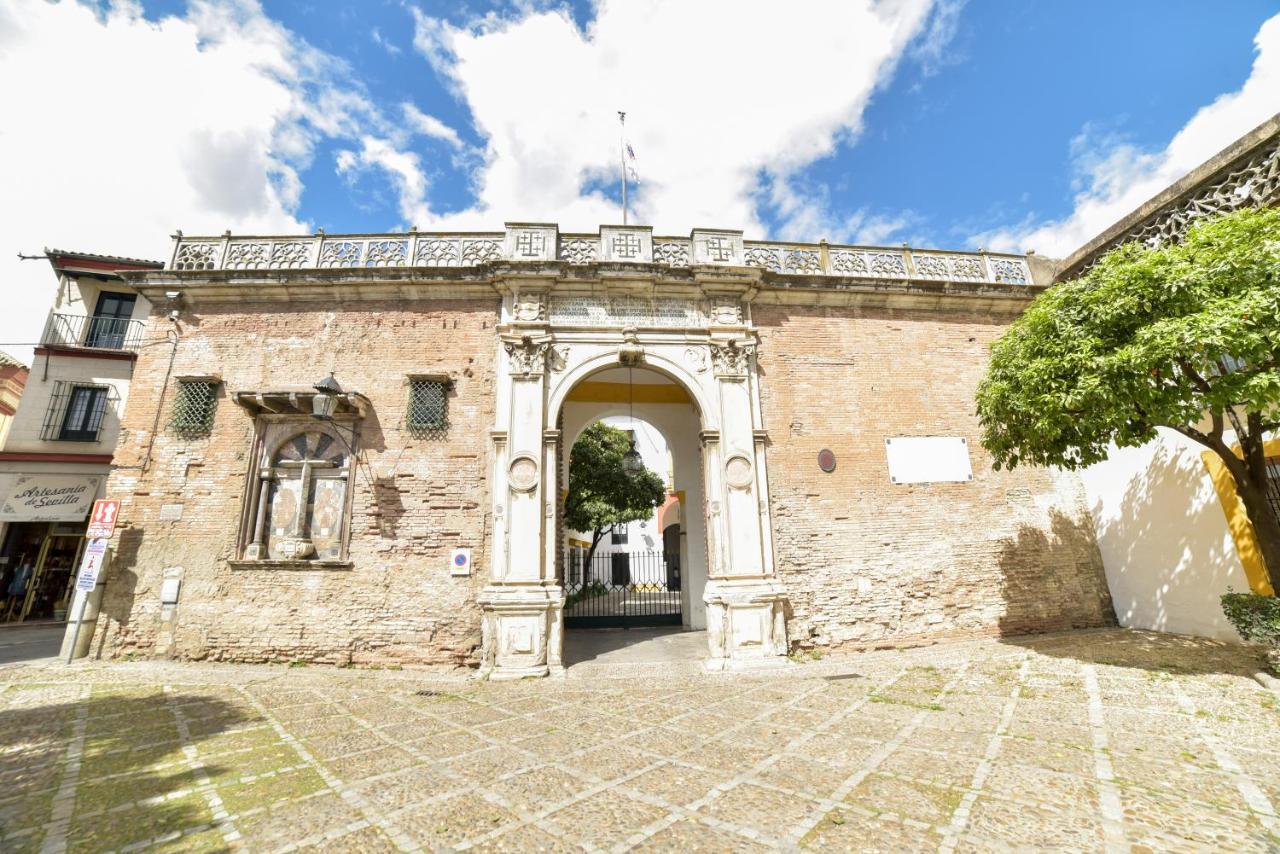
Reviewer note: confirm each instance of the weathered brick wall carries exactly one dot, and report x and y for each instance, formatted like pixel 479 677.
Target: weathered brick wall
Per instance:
pixel 415 499
pixel 867 562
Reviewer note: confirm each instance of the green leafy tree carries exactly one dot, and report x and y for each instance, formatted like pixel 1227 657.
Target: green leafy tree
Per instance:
pixel 601 494
pixel 1184 336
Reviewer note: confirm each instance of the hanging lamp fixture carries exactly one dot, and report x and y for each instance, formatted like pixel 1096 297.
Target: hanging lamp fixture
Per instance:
pixel 632 465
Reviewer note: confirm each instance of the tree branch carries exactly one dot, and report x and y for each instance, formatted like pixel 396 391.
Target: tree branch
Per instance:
pixel 1196 380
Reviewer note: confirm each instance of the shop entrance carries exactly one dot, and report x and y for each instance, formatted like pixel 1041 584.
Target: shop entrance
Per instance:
pixel 39 570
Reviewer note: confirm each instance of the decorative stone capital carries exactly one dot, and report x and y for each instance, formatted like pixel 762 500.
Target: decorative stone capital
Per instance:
pixel 527 355
pixel 732 358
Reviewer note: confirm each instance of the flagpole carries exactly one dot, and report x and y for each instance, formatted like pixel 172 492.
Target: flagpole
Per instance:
pixel 622 160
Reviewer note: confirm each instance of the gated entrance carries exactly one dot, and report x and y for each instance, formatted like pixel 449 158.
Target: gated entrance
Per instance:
pixel 622 590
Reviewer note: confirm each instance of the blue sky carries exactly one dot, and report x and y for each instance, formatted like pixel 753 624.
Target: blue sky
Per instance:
pixel 952 146
pixel 1003 123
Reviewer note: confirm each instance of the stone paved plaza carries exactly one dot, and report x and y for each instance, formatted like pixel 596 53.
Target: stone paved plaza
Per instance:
pixel 1097 740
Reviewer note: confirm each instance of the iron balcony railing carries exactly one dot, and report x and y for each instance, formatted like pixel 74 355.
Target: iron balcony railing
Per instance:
pixel 95 333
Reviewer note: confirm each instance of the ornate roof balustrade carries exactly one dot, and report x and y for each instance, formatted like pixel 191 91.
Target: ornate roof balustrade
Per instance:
pixel 522 242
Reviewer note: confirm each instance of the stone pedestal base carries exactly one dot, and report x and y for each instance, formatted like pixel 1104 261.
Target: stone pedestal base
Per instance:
pixel 746 624
pixel 520 628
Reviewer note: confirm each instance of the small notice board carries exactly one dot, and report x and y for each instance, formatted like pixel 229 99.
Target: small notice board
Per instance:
pixel 91 565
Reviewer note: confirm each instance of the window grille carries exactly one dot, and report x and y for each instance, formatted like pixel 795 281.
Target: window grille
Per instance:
pixel 428 415
pixel 1273 484
pixel 193 407
pixel 76 412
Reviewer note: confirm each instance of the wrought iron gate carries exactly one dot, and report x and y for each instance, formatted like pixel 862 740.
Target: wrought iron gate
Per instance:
pixel 622 589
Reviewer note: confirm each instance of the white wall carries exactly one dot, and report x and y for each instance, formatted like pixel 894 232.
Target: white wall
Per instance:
pixel 24 433
pixel 78 295
pixel 1163 536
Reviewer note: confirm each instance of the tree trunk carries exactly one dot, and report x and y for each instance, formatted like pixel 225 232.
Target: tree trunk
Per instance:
pixel 1265 525
pixel 596 536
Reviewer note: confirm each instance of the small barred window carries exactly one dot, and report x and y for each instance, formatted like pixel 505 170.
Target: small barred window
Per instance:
pixel 428 415
pixel 194 406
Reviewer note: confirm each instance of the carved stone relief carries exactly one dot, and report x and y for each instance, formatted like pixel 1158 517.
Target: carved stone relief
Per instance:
pixel 529 308
pixel 523 474
pixel 527 356
pixel 737 471
pixel 732 358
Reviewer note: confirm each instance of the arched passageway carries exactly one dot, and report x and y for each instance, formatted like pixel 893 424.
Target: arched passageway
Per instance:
pixel 649 572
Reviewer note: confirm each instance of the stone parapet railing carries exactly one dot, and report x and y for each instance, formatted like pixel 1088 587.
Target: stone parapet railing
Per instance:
pixel 522 242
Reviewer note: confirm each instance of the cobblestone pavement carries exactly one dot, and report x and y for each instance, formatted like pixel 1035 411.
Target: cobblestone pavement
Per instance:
pixel 1096 740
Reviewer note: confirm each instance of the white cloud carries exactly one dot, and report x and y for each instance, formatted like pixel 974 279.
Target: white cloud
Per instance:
pixel 402 167
pixel 1115 177
pixel 429 125
pixel 934 48
pixel 722 98
pixel 382 42
pixel 119 130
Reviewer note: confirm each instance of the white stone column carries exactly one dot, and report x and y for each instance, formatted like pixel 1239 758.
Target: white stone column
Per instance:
pixel 521 604
pixel 745 603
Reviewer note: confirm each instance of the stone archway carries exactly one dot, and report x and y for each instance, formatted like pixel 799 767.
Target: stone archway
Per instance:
pixel 663 412
pixel 523 603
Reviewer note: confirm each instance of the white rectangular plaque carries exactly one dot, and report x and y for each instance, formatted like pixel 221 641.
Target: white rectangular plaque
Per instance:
pixel 928 459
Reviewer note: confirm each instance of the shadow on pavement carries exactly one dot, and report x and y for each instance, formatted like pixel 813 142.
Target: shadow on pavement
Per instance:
pixel 133 784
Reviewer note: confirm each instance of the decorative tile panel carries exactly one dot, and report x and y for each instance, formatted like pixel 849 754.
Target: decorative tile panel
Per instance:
pixel 386 253
pixel 290 254
pixel 438 252
pixel 672 253
pixel 197 256
pixel 480 252
pixel 578 250
pixel 626 244
pixel 806 261
pixel 1008 271
pixel 247 256
pixel 849 263
pixel 758 256
pixel 341 253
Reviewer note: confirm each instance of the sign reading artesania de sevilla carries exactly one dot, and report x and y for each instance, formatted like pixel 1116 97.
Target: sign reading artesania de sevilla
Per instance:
pixel 46 497
pixel 102 521
pixel 91 565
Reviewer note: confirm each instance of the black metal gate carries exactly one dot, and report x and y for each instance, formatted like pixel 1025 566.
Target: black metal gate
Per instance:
pixel 622 589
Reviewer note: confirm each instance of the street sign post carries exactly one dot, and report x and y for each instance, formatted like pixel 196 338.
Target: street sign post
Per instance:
pixel 102 520
pixel 87 578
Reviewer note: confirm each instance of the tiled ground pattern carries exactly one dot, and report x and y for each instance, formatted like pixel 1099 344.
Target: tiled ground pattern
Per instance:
pixel 1098 740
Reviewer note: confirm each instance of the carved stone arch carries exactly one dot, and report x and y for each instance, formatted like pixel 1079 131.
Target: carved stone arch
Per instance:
pixel 573 374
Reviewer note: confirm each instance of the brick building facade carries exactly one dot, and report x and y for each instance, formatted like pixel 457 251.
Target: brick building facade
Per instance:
pixel 784 350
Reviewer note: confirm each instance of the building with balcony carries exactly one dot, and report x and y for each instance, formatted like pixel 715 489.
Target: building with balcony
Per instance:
pixel 58 447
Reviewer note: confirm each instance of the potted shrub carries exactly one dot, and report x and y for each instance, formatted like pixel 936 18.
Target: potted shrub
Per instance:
pixel 1257 619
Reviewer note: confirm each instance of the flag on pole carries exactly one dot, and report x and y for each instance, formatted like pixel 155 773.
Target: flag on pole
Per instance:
pixel 631 155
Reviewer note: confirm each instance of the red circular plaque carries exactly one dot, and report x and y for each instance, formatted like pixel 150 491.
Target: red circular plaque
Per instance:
pixel 826 460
